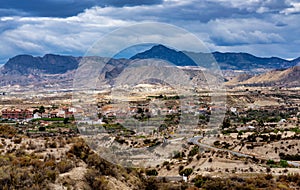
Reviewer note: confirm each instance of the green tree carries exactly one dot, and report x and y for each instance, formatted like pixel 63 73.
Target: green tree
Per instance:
pixel 284 163
pixel 269 162
pixel 152 172
pixel 42 109
pixel 186 171
pixel 226 123
pixel 66 120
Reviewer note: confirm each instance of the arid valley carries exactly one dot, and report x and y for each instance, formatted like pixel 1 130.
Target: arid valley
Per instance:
pixel 244 134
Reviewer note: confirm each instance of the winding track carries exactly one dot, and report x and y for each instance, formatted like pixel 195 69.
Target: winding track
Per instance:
pixel 195 141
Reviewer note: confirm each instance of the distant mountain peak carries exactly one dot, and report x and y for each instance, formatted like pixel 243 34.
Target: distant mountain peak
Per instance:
pixel 164 53
pixel 160 46
pixel 21 56
pixel 226 61
pixel 49 63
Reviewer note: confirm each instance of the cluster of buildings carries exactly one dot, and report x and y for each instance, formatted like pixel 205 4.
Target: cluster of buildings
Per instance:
pixel 17 114
pixel 153 109
pixel 26 114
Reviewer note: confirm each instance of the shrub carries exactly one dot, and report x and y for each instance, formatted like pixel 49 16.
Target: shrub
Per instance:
pixel 4 178
pixel 17 140
pixel 284 163
pixel 180 168
pixel 100 183
pixel 268 176
pixel 90 175
pixel 151 172
pixel 251 169
pixel 151 184
pixel 51 175
pixel 7 131
pixel 64 166
pixel 215 184
pixel 165 163
pixel 168 167
pixel 179 155
pixel 295 157
pixel 93 160
pixel 53 144
pixel 199 181
pixel 80 149
pixel 269 162
pixel 186 171
pixel 194 151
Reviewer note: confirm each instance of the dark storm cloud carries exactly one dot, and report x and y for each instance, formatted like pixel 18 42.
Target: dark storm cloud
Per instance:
pixel 122 3
pixel 62 8
pixel 11 12
pixel 173 11
pixel 265 27
pixel 45 8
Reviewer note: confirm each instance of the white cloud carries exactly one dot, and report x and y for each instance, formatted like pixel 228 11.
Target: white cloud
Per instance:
pixel 259 6
pixel 231 32
pixel 40 35
pixel 292 10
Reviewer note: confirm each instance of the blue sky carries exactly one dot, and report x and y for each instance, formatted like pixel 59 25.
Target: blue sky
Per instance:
pixel 261 27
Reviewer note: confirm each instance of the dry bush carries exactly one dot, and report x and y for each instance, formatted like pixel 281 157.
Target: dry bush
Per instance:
pixel 25 173
pixel 64 166
pixel 31 145
pixel 52 144
pixel 7 131
pixel 95 180
pixel 17 140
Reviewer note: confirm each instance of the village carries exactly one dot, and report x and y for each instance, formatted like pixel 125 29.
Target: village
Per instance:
pixel 259 132
pixel 163 113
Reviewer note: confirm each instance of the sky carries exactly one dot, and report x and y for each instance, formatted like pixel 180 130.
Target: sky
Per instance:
pixel 70 27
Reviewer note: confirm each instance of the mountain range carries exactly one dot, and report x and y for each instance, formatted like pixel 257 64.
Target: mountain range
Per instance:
pixel 279 78
pixel 50 64
pixel 55 69
pixel 226 61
